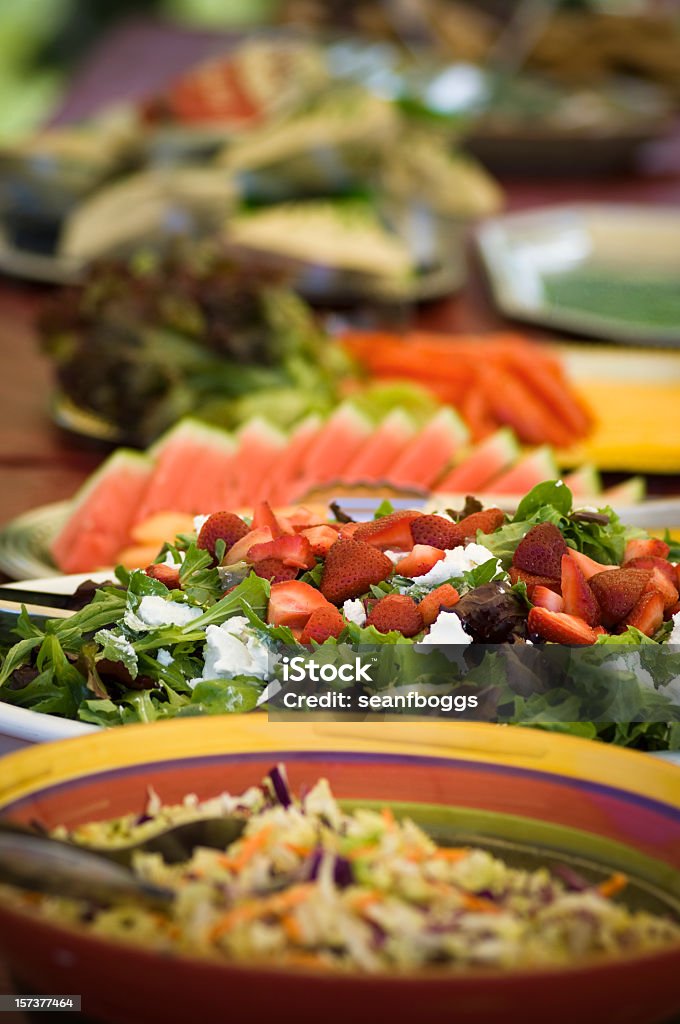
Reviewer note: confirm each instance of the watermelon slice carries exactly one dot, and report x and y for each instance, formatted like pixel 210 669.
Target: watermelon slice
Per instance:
pixel 374 458
pixel 339 441
pixel 259 446
pixel 279 486
pixel 172 487
pixel 102 513
pixel 630 492
pixel 533 468
pixel 486 460
pixel 211 472
pixel 426 457
pixel 584 482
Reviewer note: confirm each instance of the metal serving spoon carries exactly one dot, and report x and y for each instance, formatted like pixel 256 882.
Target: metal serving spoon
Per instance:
pixel 102 874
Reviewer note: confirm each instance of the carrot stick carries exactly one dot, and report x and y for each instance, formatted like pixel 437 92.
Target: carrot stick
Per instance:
pixel 611 886
pixel 247 849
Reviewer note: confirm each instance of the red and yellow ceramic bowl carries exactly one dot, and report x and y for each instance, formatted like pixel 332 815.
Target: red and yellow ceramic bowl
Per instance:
pixel 611 806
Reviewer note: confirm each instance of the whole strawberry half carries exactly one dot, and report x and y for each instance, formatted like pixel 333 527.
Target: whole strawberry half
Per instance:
pixel 618 591
pixel 351 567
pixel 226 526
pixel 645 547
pixel 167 574
pixel 322 624
pixel 396 611
pixel 434 531
pixel 520 576
pixel 389 532
pixel 274 570
pixel 291 549
pixel 488 520
pixel 443 597
pixel 560 628
pixel 578 595
pixel 419 561
pixel 292 603
pixel 652 562
pixel 540 551
pixel 647 615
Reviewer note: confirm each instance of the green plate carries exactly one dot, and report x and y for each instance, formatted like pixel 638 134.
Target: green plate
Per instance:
pixel 609 271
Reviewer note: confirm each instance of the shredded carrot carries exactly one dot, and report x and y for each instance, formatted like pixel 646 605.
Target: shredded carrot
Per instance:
pixel 611 886
pixel 363 900
pixel 247 849
pixel 453 854
pixel 388 818
pixel 362 851
pixel 298 848
pixel 291 927
pixel 479 904
pixel 279 903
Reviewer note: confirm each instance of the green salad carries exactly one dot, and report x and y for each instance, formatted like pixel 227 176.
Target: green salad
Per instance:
pixel 555 618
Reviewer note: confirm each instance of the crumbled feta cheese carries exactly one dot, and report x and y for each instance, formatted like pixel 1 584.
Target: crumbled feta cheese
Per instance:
pixel 234 649
pixel 447 629
pixel 395 556
pixel 199 522
pixel 170 558
pixel 156 611
pixel 354 611
pixel 674 636
pixel 163 657
pixel 455 562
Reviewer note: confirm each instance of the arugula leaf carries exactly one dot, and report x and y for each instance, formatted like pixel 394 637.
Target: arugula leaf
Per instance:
pixel 674 545
pixel 195 559
pixel 503 542
pixel 223 696
pixel 117 647
pixel 313 576
pixel 19 655
pixel 252 593
pixel 385 508
pixel 105 609
pixel 484 573
pixel 554 493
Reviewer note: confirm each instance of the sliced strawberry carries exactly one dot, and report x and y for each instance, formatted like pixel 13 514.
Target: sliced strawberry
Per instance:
pixel 542 597
pixel 321 539
pixel 588 566
pixel 292 603
pixel 488 520
pixel 323 623
pixel 617 592
pixel 445 596
pixel 396 611
pixel 391 532
pixel 419 561
pixel 520 576
pixel 659 583
pixel 238 552
pixel 264 516
pixel 350 569
pixel 600 631
pixel 166 574
pixel 293 549
pixel 540 551
pixel 560 628
pixel 347 530
pixel 647 615
pixel 435 531
pixel 670 612
pixel 645 547
pixel 650 562
pixel 578 597
pixel 300 518
pixel 226 526
pixel 274 570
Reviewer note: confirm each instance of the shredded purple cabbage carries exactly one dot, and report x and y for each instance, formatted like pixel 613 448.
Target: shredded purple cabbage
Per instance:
pixel 342 869
pixel 280 783
pixel 571 878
